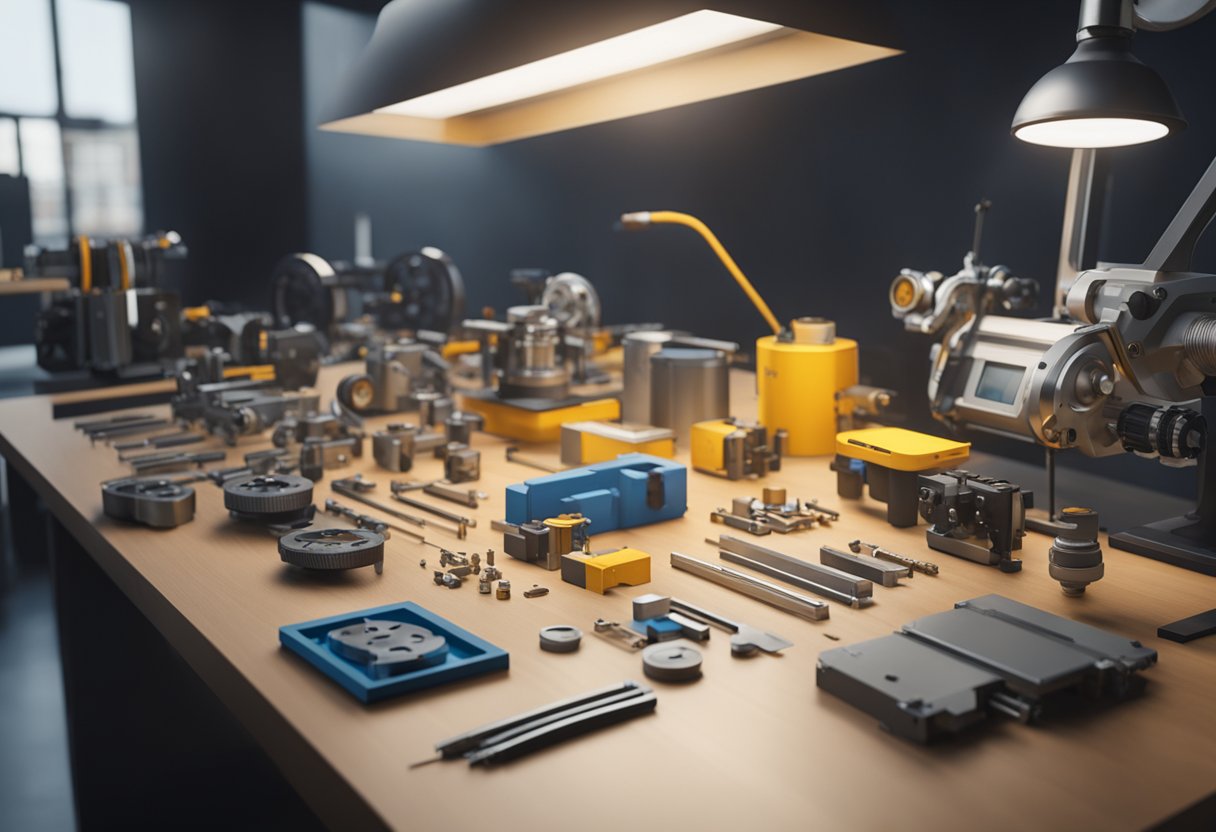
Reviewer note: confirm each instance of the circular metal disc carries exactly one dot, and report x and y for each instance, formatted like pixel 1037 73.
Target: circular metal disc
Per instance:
pixel 332 548
pixel 671 662
pixel 386 647
pixel 268 494
pixel 561 638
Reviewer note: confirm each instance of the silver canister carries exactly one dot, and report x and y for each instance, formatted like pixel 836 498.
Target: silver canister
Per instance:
pixel 688 386
pixel 635 395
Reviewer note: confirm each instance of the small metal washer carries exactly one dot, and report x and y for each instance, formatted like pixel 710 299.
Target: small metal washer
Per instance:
pixel 560 638
pixel 671 662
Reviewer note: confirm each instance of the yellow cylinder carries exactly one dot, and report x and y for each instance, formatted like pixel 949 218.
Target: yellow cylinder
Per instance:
pixel 797 385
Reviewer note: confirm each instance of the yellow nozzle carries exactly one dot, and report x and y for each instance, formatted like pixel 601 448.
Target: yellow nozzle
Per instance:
pixel 641 219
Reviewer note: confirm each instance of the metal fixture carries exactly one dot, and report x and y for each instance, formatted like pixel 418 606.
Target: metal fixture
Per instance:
pixel 762 590
pixel 1075 556
pixel 922 566
pixel 961 505
pixel 745 640
pixel 153 502
pixel 881 572
pixel 817 578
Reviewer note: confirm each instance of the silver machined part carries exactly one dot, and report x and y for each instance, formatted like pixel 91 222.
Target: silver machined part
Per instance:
pixel 333 549
pixel 560 638
pixel 651 605
pixel 758 588
pixel 152 501
pixel 1075 556
pixel 923 566
pixel 744 640
pixel 672 662
pixel 822 580
pixel 879 571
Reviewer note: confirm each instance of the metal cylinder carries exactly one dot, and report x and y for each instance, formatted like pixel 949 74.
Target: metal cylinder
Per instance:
pixel 1199 343
pixel 533 366
pixel 688 386
pixel 638 347
pixel 1075 556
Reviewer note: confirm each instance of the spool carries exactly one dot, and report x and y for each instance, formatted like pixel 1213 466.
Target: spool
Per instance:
pixel 798 380
pixel 688 386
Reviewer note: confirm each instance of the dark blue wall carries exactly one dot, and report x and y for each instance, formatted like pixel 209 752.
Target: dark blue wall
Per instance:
pixel 822 189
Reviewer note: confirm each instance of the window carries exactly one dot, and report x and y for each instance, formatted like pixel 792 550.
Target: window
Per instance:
pixel 68 117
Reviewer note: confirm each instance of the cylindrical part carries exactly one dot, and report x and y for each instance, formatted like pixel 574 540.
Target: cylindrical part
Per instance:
pixel 797 386
pixel 688 386
pixel 1199 343
pixel 638 347
pixel 1075 556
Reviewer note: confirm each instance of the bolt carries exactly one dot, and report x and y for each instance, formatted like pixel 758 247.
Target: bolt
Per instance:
pixel 1159 293
pixel 1134 349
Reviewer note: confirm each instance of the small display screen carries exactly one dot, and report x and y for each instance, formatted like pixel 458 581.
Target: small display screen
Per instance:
pixel 999 383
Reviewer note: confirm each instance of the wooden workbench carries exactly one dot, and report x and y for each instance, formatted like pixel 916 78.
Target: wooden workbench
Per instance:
pixel 752 745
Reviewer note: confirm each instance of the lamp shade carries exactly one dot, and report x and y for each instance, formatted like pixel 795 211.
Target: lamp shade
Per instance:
pixel 481 72
pixel 1103 96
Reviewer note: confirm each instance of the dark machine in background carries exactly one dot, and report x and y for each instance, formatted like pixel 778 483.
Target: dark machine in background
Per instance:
pixel 122 314
pixel 419 291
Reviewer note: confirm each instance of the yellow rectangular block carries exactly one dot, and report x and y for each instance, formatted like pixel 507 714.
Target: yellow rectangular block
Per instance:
pixel 599 573
pixel 526 425
pixel 585 443
pixel 900 449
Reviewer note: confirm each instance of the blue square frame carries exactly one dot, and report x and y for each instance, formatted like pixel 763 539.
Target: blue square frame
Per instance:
pixel 467 656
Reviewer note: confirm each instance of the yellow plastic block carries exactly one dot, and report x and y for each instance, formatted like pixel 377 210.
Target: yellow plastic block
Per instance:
pixel 503 419
pixel 900 449
pixel 599 573
pixel 706 445
pixel 585 443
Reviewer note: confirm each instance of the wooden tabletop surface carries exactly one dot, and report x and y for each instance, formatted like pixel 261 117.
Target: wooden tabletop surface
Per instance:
pixel 753 744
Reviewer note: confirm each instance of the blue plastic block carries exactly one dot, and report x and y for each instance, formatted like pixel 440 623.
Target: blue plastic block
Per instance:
pixel 657 629
pixel 467 655
pixel 612 494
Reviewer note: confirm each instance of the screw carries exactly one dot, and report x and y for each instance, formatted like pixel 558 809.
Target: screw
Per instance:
pixel 1159 293
pixel 1134 349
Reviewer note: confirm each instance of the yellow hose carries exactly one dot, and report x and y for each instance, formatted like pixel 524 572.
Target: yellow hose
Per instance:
pixel 641 219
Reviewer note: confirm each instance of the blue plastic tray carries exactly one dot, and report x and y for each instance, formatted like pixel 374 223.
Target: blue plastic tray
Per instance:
pixel 467 656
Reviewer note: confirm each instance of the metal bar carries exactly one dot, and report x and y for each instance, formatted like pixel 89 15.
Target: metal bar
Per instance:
pixel 762 590
pixel 822 580
pixel 880 571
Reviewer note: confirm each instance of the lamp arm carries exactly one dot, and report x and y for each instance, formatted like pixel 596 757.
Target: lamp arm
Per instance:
pixel 1176 248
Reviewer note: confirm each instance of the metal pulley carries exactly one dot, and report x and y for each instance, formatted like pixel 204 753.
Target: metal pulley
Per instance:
pixel 306 289
pixel 426 292
pixel 572 300
pixel 278 500
pixel 152 501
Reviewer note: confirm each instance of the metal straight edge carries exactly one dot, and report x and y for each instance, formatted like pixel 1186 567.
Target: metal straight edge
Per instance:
pixel 880 571
pixel 822 580
pixel 758 588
